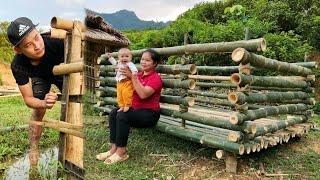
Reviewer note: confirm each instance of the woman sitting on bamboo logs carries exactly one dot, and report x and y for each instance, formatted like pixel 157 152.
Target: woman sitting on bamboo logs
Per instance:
pixel 144 112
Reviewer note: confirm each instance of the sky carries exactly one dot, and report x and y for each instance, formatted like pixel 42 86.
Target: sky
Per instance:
pixel 42 11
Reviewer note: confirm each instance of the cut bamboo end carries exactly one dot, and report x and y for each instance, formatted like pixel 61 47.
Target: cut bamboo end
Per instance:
pixel 235 78
pixel 311 78
pixel 248 150
pixel 193 69
pixel 98 94
pixel 233 137
pixel 263 45
pixel 97 83
pixel 100 103
pixel 59 23
pixel 233 98
pixel 241 149
pixel 192 84
pixel 254 128
pixel 58 33
pixel 258 147
pixel 254 147
pixel 238 54
pixel 99 60
pixel 191 102
pixel 68 68
pixel 220 154
pixel 233 119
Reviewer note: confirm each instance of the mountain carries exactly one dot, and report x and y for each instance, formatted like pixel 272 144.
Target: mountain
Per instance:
pixel 128 20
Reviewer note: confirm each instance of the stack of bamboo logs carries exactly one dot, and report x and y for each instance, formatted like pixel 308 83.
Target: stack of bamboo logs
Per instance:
pixel 246 118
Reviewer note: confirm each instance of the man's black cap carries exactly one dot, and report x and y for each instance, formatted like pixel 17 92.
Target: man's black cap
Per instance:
pixel 19 29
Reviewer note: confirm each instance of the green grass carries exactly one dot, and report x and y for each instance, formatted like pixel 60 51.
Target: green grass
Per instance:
pixel 14 112
pixel 179 159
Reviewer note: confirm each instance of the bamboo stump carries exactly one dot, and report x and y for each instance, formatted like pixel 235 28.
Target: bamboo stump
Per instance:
pixel 231 163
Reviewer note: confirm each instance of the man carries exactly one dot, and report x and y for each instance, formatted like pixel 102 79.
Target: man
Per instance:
pixel 36 55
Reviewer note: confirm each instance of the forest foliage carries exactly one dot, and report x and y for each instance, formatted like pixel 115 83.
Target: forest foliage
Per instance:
pixel 291 28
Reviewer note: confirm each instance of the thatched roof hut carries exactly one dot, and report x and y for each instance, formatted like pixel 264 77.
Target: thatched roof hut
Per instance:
pixel 101 32
pixel 100 38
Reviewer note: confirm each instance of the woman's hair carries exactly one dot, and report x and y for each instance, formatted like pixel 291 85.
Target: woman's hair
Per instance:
pixel 155 56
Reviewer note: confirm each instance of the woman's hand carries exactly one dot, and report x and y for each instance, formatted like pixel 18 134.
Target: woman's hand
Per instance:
pixel 126 71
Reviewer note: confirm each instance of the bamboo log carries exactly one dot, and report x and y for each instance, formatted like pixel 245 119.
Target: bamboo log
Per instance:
pixel 230 135
pixel 242 80
pixel 193 128
pixel 239 118
pixel 58 127
pixel 202 77
pixel 106 92
pixel 221 154
pixel 224 103
pixel 107 101
pixel 175 83
pixel 291 120
pixel 208 94
pixel 58 33
pixel 274 97
pixel 62 69
pixel 64 124
pixel 103 109
pixel 221 85
pixel 165 69
pixel 241 55
pixel 59 23
pixel 234 69
pixel 220 47
pixel 187 101
pixel 247 127
pixel 232 86
pixel 201 138
pixel 4 130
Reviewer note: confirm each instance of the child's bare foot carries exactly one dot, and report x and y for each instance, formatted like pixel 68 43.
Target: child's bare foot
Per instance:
pixel 121 109
pixel 125 109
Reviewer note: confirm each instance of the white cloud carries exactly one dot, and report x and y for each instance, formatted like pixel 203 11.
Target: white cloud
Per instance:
pixel 70 2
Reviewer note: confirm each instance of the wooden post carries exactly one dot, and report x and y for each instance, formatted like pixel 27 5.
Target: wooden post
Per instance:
pixel 231 163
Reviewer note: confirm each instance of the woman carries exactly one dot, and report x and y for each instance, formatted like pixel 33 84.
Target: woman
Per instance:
pixel 144 112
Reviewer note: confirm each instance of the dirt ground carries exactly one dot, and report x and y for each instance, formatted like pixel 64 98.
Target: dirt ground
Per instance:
pixel 7 77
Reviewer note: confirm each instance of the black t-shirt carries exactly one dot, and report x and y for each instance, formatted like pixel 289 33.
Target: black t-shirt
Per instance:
pixel 22 69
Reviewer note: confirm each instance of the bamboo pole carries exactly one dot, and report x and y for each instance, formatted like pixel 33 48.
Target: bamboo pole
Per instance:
pixel 247 127
pixel 58 33
pixel 59 23
pixel 262 130
pixel 187 101
pixel 202 77
pixel 208 94
pixel 224 103
pixel 103 109
pixel 230 135
pixel 69 68
pixel 201 138
pixel 234 69
pixel 241 55
pixel 242 80
pixel 165 69
pixel 107 101
pixel 106 91
pixel 238 118
pixel 220 47
pixel 176 83
pixel 58 127
pixel 241 98
pixel 4 130
pixel 64 124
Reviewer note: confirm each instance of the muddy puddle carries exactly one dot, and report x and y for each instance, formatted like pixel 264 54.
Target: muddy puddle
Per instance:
pixel 20 168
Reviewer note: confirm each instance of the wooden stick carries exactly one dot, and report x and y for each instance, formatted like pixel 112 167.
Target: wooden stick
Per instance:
pixel 57 127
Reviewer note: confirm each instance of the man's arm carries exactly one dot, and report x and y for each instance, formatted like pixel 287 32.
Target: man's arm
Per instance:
pixel 35 103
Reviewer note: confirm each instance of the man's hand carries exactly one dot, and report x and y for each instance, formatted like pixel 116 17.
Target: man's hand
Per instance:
pixel 50 100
